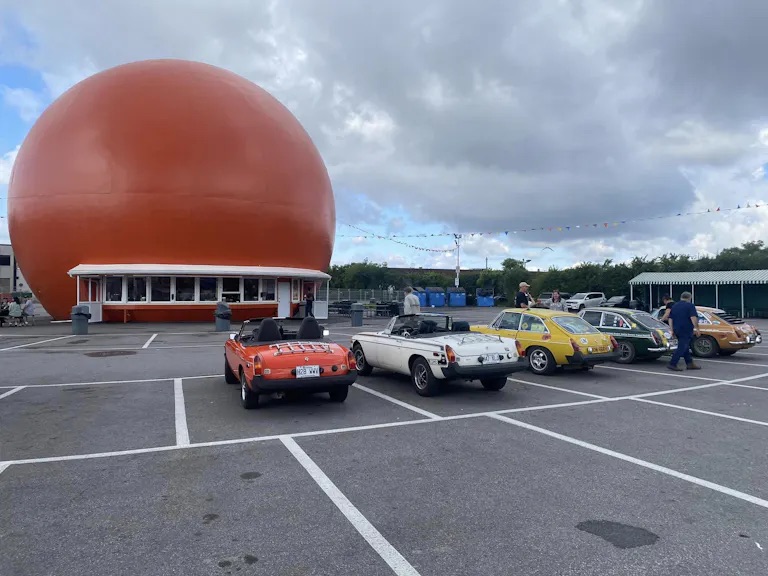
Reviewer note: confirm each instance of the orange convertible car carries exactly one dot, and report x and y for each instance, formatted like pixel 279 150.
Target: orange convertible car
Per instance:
pixel 266 360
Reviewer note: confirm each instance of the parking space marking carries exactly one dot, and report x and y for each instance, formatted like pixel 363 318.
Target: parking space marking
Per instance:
pixel 748 386
pixel 732 362
pixel 123 349
pixel 381 545
pixel 718 414
pixel 398 402
pixel 182 431
pixel 121 381
pixel 4 467
pixel 38 342
pixel 645 464
pixel 6 394
pixel 556 388
pixel 148 342
pixel 653 372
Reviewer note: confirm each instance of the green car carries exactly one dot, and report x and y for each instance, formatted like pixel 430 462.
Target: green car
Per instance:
pixel 640 335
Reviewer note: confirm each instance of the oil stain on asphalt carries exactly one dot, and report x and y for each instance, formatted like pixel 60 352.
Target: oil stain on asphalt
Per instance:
pixel 620 535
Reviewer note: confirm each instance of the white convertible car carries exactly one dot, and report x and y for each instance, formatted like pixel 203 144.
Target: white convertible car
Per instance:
pixel 433 348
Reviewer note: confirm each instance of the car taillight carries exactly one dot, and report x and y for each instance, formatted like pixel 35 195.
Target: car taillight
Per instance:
pixel 450 354
pixel 257 364
pixel 575 346
pixel 520 349
pixel 351 360
pixel 614 343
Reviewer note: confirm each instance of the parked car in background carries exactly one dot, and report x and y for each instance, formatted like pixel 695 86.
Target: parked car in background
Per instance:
pixel 721 333
pixel 433 349
pixel 583 300
pixel 640 335
pixel 266 360
pixel 553 339
pixel 626 302
pixel 545 299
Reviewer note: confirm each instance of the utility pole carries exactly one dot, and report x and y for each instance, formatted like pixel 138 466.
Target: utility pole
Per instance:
pixel 486 262
pixel 457 240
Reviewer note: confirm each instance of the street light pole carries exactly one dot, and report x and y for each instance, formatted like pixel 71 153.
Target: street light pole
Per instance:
pixel 457 240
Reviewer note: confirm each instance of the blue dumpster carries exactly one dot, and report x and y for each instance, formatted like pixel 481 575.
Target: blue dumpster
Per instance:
pixel 485 297
pixel 422 296
pixel 435 296
pixel 457 296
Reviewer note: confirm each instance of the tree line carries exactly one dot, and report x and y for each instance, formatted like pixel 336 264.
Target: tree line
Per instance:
pixel 609 277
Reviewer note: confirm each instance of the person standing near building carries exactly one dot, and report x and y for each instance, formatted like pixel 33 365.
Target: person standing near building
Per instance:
pixel 309 299
pixel 14 311
pixel 523 298
pixel 684 323
pixel 668 303
pixel 411 304
pixel 557 302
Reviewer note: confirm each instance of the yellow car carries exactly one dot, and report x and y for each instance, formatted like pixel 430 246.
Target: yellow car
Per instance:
pixel 552 339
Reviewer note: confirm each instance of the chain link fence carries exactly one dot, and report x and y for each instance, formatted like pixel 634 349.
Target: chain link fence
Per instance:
pixel 359 295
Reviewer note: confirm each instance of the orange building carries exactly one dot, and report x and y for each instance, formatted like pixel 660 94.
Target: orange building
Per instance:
pixel 152 190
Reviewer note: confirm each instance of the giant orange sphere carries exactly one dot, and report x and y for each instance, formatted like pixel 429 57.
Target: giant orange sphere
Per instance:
pixel 166 162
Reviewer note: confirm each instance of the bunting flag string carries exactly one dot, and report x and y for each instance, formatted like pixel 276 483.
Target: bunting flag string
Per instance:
pixel 367 234
pixel 560 228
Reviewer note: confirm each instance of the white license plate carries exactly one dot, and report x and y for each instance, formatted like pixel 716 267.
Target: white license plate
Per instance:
pixel 307 371
pixel 492 359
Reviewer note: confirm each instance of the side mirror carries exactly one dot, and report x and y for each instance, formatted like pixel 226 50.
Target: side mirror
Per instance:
pixel 233 336
pixel 326 332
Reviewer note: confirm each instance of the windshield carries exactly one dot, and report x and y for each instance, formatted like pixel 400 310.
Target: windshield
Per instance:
pixel 420 324
pixel 616 299
pixel 579 296
pixel 650 322
pixel 575 325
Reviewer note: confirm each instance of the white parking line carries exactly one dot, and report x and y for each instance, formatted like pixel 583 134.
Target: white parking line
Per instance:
pixel 654 373
pixel 125 349
pixel 38 342
pixel 6 394
pixel 748 386
pixel 182 432
pixel 618 455
pixel 383 548
pixel 148 342
pixel 4 466
pixel 121 381
pixel 732 362
pixel 398 402
pixel 707 412
pixel 555 388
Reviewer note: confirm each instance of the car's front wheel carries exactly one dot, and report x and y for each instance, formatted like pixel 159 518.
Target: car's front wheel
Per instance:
pixel 363 368
pixel 421 375
pixel 705 347
pixel 248 398
pixel 494 384
pixel 339 394
pixel 627 353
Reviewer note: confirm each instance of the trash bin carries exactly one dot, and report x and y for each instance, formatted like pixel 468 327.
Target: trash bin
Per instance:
pixel 223 315
pixel 357 314
pixel 80 317
pixel 435 296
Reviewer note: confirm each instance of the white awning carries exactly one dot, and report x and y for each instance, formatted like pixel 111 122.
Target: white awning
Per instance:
pixel 193 270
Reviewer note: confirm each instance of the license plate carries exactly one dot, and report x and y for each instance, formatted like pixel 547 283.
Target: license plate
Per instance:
pixel 601 349
pixel 750 339
pixel 307 371
pixel 491 359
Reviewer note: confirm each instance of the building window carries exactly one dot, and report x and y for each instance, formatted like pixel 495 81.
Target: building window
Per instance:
pixel 161 288
pixel 5 260
pixel 185 289
pixel 137 289
pixel 250 289
pixel 268 289
pixel 208 289
pixel 230 289
pixel 113 289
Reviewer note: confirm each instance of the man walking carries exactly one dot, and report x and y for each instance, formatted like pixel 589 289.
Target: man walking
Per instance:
pixel 684 323
pixel 411 304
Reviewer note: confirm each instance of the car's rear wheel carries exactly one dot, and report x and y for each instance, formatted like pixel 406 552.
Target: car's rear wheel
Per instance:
pixel 363 368
pixel 494 384
pixel 627 353
pixel 339 394
pixel 705 347
pixel 540 360
pixel 421 375
pixel 229 376
pixel 248 398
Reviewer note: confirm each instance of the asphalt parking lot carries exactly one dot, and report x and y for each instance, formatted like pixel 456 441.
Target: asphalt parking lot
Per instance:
pixel 125 452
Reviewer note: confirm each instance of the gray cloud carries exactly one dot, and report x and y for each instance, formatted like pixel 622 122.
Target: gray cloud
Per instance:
pixel 482 116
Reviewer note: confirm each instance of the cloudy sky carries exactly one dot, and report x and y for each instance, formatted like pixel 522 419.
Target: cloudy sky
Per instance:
pixel 445 116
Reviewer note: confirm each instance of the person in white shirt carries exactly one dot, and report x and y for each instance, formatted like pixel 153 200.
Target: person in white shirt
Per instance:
pixel 411 304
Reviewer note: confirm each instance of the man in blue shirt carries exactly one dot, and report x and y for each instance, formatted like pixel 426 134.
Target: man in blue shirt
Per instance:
pixel 684 323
